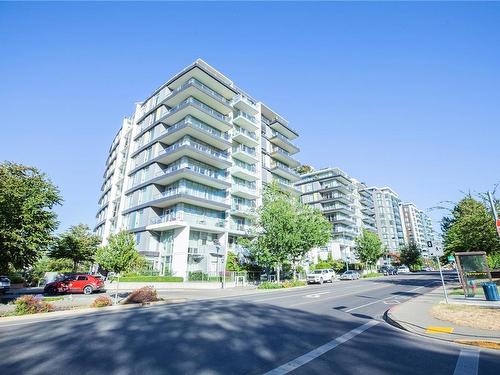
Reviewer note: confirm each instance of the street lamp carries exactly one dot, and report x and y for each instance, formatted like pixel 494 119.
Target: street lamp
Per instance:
pixel 221 258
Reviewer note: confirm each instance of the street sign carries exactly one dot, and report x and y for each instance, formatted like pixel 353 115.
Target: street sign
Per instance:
pixel 429 243
pixel 436 251
pixel 451 258
pixel 498 226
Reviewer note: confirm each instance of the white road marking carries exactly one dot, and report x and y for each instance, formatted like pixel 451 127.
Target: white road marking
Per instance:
pixel 313 354
pixel 315 295
pixel 388 298
pixel 341 295
pixel 468 362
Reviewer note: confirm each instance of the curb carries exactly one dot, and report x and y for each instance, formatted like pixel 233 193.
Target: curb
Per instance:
pixel 494 344
pixel 38 317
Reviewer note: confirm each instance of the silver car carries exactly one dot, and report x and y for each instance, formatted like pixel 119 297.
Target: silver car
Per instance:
pixel 4 284
pixel 349 275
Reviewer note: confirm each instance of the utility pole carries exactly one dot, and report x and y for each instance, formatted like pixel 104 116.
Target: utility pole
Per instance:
pixel 495 214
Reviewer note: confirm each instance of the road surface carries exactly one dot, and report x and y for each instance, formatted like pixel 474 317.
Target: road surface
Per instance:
pixel 324 329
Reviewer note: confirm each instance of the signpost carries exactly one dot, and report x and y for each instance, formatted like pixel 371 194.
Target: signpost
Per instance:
pixel 495 214
pixel 437 252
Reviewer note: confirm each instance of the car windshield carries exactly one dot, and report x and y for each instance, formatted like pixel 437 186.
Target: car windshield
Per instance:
pixel 318 271
pixel 348 272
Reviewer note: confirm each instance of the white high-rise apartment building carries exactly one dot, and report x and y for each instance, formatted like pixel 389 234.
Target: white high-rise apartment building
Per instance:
pixel 186 170
pixel 388 217
pixel 345 202
pixel 418 226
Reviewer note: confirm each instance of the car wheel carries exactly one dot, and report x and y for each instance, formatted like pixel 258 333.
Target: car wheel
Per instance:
pixel 51 290
pixel 87 290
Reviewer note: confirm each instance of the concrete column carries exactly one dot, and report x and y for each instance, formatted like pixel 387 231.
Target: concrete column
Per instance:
pixel 180 252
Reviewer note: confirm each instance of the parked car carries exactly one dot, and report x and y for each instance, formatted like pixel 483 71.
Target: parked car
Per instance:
pixel 349 275
pixel 77 283
pixel 427 269
pixel 321 276
pixel 387 270
pixel 4 284
pixel 403 269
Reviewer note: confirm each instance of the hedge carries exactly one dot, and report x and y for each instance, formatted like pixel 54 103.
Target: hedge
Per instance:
pixel 151 279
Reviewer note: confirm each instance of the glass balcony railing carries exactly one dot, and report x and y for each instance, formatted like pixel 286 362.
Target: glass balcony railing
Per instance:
pixel 191 192
pixel 198 146
pixel 202 87
pixel 242 208
pixel 202 106
pixel 195 168
pixel 242 98
pixel 190 218
pixel 240 227
pixel 280 136
pixel 244 149
pixel 246 116
pixel 281 151
pixel 249 167
pixel 239 130
pixel 278 164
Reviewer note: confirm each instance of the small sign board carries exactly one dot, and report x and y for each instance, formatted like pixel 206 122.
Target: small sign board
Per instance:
pixel 498 226
pixel 451 258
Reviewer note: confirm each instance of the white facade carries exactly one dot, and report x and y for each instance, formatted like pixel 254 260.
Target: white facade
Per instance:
pixel 186 171
pixel 345 203
pixel 418 226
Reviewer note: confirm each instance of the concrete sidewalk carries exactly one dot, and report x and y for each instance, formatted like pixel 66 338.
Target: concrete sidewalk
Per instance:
pixel 415 316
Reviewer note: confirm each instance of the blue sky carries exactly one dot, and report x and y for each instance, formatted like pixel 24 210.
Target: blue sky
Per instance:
pixel 405 95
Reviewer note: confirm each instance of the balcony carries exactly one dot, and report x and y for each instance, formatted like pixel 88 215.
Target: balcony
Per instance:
pixel 241 229
pixel 245 104
pixel 245 137
pixel 244 172
pixel 284 171
pixel 245 191
pixel 195 150
pixel 247 154
pixel 338 198
pixel 345 232
pixel 336 187
pixel 190 196
pixel 284 157
pixel 283 142
pixel 281 125
pixel 242 210
pixel 201 111
pixel 345 220
pixel 191 126
pixel 193 173
pixel 338 208
pixel 205 76
pixel 245 120
pixel 286 186
pixel 182 219
pixel 200 91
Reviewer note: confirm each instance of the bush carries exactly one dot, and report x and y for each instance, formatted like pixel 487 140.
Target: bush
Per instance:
pixel 143 295
pixel 292 284
pixel 151 279
pixel 31 305
pixel 16 278
pixel 371 274
pixel 102 301
pixel 270 285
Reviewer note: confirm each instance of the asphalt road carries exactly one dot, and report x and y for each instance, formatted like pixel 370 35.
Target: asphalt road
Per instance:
pixel 333 328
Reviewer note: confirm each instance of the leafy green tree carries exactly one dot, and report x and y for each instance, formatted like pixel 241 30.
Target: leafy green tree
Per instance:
pixel 470 228
pixel 410 255
pixel 369 247
pixel 286 229
pixel 494 261
pixel 232 262
pixel 119 255
pixel 27 221
pixel 303 169
pixel 78 244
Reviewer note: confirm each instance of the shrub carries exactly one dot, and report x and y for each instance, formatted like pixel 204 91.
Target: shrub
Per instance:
pixel 143 295
pixel 31 305
pixel 151 279
pixel 102 301
pixel 292 284
pixel 371 274
pixel 16 278
pixel 270 285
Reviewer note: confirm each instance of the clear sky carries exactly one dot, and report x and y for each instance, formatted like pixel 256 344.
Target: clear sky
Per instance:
pixel 405 95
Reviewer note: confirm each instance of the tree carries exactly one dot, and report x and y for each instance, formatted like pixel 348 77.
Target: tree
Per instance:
pixel 303 169
pixel 470 228
pixel 410 255
pixel 286 229
pixel 119 255
pixel 27 221
pixel 78 244
pixel 369 247
pixel 232 262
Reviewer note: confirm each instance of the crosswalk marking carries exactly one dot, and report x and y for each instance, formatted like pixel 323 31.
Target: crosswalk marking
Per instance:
pixel 468 362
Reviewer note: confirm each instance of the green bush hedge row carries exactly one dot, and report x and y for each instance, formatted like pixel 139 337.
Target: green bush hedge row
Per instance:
pixel 152 279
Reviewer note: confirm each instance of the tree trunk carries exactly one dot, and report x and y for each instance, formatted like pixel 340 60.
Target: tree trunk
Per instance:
pixel 75 265
pixel 294 270
pixel 278 273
